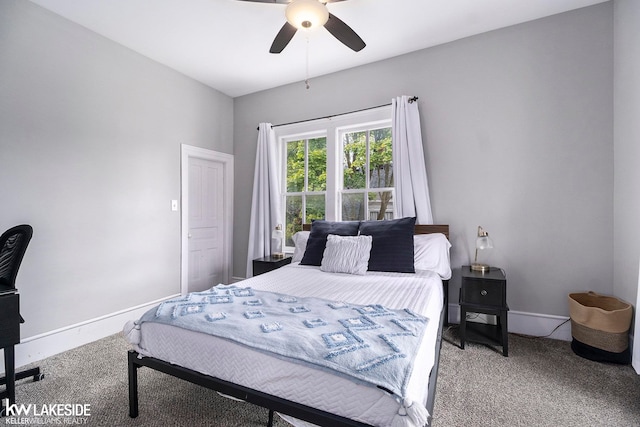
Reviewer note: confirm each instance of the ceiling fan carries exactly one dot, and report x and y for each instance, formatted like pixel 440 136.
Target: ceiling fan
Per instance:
pixel 310 14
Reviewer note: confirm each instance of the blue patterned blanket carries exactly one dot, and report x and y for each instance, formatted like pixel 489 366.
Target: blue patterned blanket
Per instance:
pixel 370 343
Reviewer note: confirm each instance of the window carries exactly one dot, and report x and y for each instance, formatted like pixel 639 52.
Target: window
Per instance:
pixel 367 179
pixel 306 183
pixel 337 169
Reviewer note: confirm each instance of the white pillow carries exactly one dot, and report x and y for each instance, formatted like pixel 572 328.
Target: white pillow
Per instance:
pixel 346 254
pixel 300 245
pixel 431 252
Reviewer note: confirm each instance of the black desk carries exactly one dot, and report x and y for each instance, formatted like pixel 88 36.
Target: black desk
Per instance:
pixel 10 320
pixel 9 337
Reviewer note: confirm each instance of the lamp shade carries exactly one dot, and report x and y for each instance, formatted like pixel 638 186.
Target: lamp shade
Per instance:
pixel 277 233
pixel 483 241
pixel 306 14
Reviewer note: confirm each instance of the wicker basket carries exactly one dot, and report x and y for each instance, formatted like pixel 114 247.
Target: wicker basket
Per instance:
pixel 600 326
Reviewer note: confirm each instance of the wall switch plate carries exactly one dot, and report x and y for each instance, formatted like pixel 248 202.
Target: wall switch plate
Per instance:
pixel 174 205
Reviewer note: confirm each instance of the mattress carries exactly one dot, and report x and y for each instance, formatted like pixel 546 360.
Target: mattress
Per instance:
pixel 421 292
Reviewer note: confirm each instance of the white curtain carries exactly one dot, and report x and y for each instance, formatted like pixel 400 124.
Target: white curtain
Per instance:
pixel 265 204
pixel 410 172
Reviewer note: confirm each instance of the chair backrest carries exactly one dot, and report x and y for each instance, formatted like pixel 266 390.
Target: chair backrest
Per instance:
pixel 13 245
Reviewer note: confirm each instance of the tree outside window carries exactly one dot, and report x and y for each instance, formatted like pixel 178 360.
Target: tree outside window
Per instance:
pixel 367 192
pixel 306 183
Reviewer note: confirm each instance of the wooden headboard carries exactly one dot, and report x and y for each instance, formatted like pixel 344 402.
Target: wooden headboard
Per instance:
pixel 420 229
pixel 432 228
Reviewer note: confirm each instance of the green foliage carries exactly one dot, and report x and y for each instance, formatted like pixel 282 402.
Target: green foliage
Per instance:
pixel 355 173
pixel 380 159
pixel 295 166
pixel 355 170
pixel 316 180
pixel 317 163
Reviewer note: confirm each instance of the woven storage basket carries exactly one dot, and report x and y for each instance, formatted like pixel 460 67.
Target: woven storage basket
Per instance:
pixel 600 321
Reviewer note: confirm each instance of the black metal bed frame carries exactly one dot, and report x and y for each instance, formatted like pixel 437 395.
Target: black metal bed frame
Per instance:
pixel 271 402
pixel 275 403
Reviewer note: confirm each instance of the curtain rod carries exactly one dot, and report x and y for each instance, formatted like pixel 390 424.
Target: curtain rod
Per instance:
pixel 412 99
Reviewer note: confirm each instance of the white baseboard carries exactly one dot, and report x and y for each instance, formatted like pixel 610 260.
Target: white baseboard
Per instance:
pixel 38 347
pixel 534 324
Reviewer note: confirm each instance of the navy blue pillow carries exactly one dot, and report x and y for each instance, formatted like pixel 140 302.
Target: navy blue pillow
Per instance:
pixel 320 229
pixel 392 246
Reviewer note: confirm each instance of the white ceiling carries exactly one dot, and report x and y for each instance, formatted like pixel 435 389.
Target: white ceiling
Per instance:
pixel 225 43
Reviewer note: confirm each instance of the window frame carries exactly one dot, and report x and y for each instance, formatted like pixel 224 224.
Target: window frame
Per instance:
pixel 332 128
pixel 367 189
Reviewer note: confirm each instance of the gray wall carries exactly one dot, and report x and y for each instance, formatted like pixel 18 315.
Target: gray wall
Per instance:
pixel 518 126
pixel 627 149
pixel 518 137
pixel 90 136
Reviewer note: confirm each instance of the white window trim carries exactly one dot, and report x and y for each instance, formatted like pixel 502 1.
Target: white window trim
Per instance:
pixel 331 127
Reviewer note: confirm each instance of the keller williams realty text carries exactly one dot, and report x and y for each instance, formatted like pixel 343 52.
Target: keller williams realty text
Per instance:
pixel 32 421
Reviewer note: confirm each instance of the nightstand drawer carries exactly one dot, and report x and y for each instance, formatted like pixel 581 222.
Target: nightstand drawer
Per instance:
pixel 484 293
pixel 488 288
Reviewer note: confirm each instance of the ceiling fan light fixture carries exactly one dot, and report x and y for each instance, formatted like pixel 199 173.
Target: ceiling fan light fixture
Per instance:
pixel 307 14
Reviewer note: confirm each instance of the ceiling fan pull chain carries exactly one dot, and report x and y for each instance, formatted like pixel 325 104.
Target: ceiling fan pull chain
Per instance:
pixel 306 81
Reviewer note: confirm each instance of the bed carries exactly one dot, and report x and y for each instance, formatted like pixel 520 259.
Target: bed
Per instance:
pixel 309 393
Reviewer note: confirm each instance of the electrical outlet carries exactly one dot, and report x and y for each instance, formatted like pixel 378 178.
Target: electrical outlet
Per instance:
pixel 488 319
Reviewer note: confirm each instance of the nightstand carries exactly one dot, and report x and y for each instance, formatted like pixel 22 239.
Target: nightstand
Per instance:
pixel 268 263
pixel 484 293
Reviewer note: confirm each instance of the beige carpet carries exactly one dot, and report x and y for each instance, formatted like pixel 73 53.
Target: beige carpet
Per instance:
pixel 541 383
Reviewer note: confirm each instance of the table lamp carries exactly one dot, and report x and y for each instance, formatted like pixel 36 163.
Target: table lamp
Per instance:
pixel 483 241
pixel 277 236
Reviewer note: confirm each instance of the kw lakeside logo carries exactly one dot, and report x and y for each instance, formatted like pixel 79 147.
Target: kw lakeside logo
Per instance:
pixel 53 413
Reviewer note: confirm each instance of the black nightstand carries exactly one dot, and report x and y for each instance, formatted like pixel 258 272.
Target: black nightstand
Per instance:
pixel 268 263
pixel 484 293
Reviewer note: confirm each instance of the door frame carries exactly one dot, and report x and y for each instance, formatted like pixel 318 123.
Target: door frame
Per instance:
pixel 187 152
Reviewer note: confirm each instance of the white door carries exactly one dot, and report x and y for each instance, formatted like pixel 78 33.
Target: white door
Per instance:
pixel 206 245
pixel 207 222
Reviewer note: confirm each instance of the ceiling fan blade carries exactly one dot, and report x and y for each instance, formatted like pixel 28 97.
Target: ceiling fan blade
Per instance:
pixel 286 1
pixel 268 1
pixel 283 38
pixel 344 33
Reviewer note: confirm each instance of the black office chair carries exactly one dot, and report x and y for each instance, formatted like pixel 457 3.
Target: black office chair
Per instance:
pixel 13 245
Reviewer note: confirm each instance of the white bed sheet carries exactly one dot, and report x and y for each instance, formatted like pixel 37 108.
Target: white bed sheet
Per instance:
pixel 421 292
